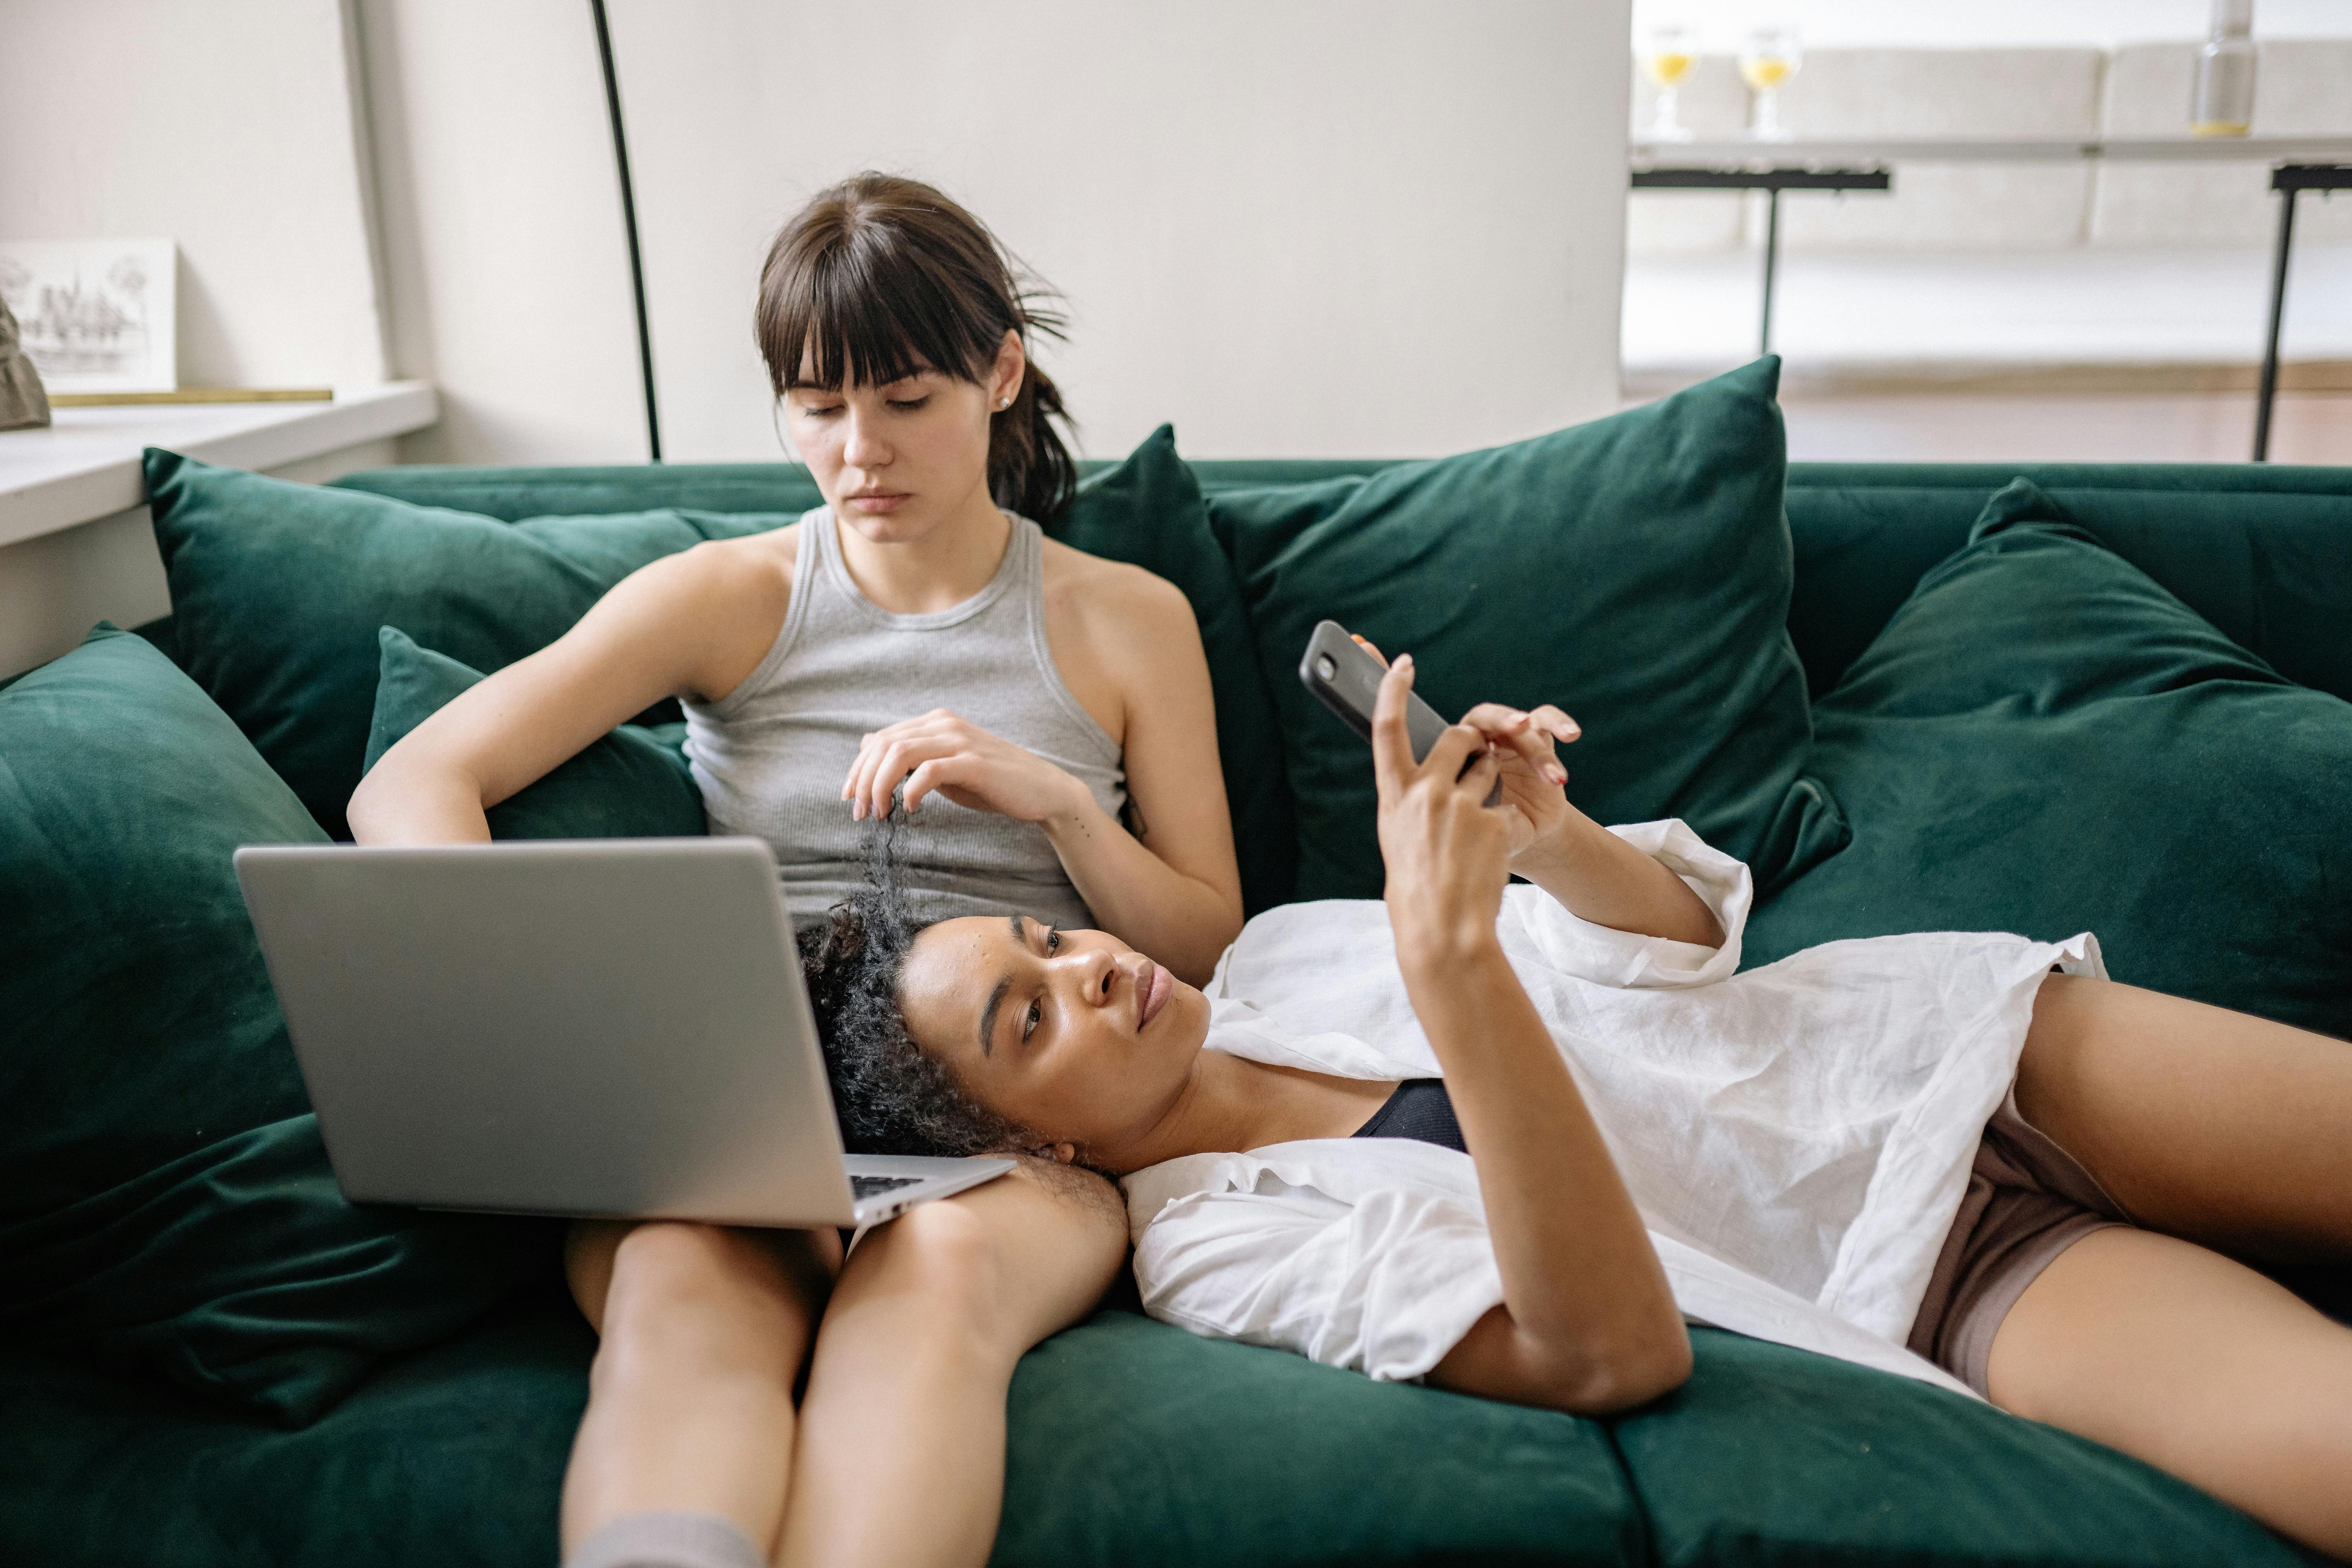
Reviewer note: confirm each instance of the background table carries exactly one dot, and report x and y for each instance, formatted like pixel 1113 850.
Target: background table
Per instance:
pixel 2300 163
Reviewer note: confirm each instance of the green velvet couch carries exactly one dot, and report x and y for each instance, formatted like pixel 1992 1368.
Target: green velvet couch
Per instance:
pixel 1133 1443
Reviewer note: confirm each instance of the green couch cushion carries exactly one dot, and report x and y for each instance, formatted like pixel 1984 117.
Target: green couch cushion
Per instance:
pixel 164 1199
pixel 277 590
pixel 632 783
pixel 451 1456
pixel 2264 552
pixel 1771 1457
pixel 1135 1444
pixel 1634 570
pixel 2045 741
pixel 512 494
pixel 1132 1444
pixel 1148 512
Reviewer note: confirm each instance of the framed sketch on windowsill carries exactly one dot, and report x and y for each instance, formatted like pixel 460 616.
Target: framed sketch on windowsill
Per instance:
pixel 96 315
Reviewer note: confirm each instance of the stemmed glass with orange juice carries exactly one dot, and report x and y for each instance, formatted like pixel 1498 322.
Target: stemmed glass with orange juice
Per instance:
pixel 1767 59
pixel 1666 57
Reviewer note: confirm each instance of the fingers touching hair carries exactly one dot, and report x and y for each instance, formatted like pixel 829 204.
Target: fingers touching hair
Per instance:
pixel 892 1099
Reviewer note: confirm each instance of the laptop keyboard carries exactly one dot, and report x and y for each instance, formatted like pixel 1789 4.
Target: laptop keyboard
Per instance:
pixel 864 1187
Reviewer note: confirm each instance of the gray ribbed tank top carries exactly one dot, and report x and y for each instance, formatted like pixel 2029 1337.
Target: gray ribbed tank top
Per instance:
pixel 769 757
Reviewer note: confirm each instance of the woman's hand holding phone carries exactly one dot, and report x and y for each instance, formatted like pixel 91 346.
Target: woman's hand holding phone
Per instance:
pixel 1447 857
pixel 1534 799
pixel 1587 1323
pixel 1591 872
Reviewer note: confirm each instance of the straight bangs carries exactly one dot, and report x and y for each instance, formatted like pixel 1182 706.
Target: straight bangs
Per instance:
pixel 880 278
pixel 864 313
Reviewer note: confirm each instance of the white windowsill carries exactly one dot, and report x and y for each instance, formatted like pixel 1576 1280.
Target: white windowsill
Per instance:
pixel 87 465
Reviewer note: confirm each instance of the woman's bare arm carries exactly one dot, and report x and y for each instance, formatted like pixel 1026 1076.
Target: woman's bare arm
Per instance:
pixel 1598 876
pixel 1588 1324
pixel 691 625
pixel 1595 875
pixel 1170 886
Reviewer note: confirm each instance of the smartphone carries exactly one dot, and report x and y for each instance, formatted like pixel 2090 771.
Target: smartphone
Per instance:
pixel 1338 670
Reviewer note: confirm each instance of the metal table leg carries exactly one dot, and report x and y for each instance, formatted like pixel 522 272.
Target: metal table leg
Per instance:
pixel 2290 181
pixel 1771 181
pixel 2269 392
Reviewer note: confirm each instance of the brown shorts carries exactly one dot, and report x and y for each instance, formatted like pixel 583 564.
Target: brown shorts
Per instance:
pixel 2027 1202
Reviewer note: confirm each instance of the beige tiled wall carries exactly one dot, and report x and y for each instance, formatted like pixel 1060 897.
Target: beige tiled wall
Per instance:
pixel 2028 93
pixel 2301 89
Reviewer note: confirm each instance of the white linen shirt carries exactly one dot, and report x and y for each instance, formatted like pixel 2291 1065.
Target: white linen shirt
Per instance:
pixel 1797 1137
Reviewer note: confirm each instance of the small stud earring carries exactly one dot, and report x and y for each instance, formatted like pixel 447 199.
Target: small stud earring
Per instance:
pixel 1002 403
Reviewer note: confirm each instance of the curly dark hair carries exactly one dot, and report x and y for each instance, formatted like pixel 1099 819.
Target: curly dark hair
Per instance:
pixel 892 1099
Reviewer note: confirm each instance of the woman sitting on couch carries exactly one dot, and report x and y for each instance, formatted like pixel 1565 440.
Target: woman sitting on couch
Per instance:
pixel 1048 716
pixel 2032 1179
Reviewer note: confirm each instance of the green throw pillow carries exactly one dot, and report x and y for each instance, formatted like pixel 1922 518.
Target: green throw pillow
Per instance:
pixel 165 1202
pixel 632 783
pixel 277 590
pixel 2045 741
pixel 1634 571
pixel 1774 1457
pixel 1148 512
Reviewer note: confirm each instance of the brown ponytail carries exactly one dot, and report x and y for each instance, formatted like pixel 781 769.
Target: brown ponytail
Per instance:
pixel 881 277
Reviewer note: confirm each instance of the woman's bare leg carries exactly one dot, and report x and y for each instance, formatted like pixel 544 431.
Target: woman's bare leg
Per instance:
pixel 902 1457
pixel 690 1396
pixel 2230 1130
pixel 2196 1364
pixel 2227 1133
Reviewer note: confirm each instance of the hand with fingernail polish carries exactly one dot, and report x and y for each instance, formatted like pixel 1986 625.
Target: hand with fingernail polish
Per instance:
pixel 1533 781
pixel 1594 874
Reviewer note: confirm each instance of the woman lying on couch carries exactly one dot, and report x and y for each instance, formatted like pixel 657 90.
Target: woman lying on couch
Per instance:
pixel 2031 1178
pixel 1068 706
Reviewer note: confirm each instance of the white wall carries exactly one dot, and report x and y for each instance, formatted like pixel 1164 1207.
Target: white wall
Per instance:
pixel 506 264
pixel 232 129
pixel 1320 226
pixel 228 128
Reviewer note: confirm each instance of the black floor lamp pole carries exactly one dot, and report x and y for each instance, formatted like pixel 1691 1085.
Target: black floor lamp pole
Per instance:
pixel 629 223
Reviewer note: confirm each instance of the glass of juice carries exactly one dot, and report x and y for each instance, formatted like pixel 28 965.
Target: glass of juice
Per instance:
pixel 1768 57
pixel 1666 56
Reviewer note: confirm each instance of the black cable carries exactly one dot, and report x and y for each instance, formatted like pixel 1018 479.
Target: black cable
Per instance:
pixel 629 222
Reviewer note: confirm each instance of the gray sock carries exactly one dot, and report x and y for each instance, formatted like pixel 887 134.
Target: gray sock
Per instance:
pixel 667 1539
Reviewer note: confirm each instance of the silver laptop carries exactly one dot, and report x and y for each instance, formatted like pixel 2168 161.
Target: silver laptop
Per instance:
pixel 604 1027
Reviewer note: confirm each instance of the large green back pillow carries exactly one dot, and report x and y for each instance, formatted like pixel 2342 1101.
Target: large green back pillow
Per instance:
pixel 2045 741
pixel 1634 571
pixel 165 1202
pixel 279 589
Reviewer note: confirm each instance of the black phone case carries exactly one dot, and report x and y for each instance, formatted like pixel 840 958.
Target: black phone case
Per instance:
pixel 1353 685
pixel 1348 681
